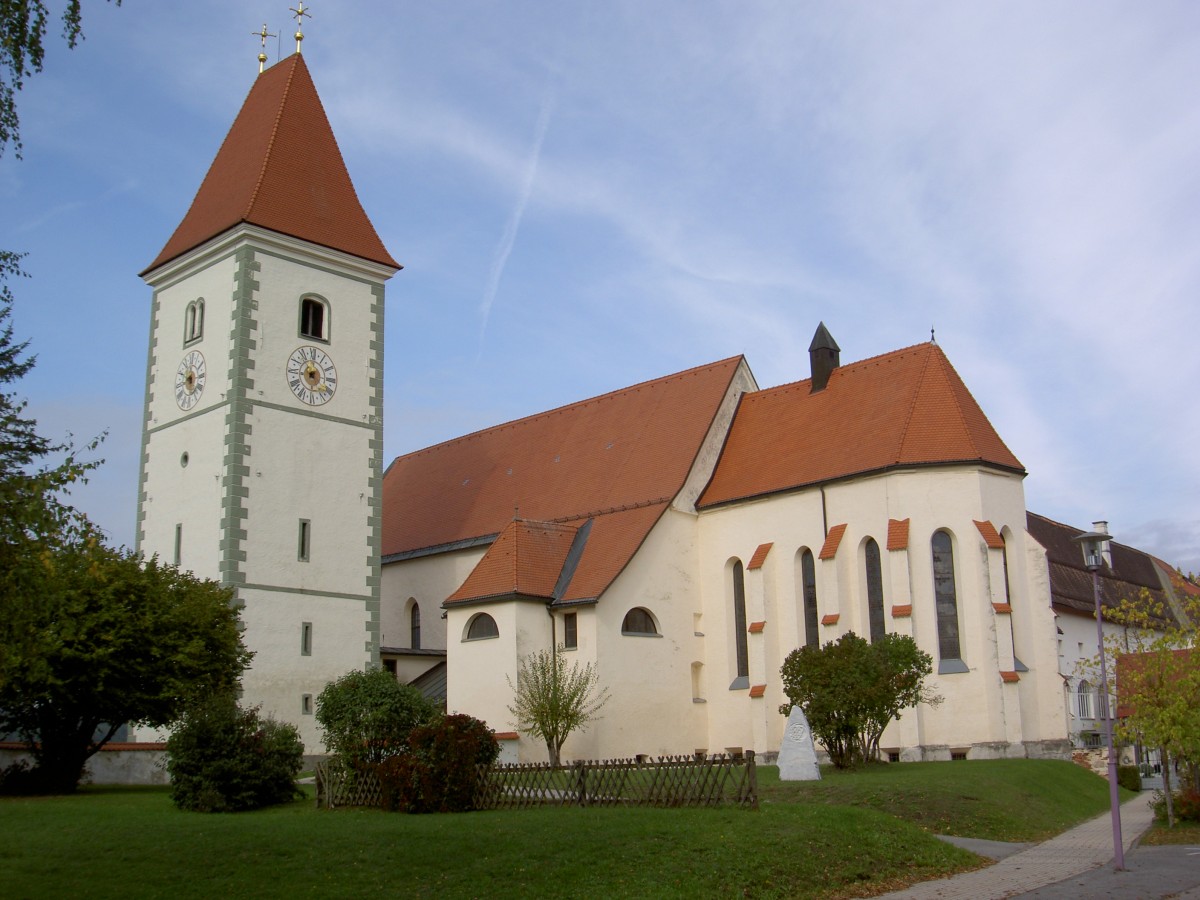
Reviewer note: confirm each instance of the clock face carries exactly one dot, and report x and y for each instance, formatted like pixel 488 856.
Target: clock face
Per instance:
pixel 189 380
pixel 311 375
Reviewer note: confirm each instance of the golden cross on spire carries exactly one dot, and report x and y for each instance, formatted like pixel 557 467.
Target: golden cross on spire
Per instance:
pixel 300 14
pixel 262 54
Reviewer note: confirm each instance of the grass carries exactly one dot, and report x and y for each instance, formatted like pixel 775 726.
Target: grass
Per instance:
pixel 844 836
pixel 1182 833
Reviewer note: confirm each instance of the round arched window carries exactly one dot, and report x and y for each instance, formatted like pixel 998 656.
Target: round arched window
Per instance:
pixel 482 626
pixel 638 621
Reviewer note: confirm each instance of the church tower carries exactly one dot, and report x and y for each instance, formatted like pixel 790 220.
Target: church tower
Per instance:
pixel 263 438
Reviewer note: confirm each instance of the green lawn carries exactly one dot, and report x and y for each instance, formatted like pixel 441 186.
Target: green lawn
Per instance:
pixel 813 840
pixel 1182 833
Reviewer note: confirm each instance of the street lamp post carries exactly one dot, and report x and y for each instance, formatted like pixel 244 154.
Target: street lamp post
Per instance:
pixel 1093 556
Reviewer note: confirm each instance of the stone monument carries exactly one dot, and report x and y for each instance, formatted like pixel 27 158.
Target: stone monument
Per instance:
pixel 797 755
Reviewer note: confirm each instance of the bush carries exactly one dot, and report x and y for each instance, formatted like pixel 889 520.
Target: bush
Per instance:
pixel 1129 778
pixel 1185 802
pixel 222 758
pixel 367 716
pixel 439 773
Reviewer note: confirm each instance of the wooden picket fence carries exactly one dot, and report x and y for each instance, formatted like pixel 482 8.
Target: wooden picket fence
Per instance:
pixel 667 781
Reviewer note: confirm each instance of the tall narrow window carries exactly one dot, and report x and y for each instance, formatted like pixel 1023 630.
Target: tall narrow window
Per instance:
pixel 874 591
pixel 1085 706
pixel 570 631
pixel 312 319
pixel 193 321
pixel 414 626
pixel 945 596
pixel 741 648
pixel 178 544
pixel 306 638
pixel 808 578
pixel 304 540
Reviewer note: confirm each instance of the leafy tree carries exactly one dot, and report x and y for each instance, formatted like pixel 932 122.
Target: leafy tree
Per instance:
pixel 367 716
pixel 440 772
pixel 222 758
pixel 851 690
pixel 553 699
pixel 22 51
pixel 109 638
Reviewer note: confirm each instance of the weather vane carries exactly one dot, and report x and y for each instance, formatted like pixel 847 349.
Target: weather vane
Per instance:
pixel 300 14
pixel 262 54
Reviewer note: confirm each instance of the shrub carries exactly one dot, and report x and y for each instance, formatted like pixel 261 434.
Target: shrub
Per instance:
pixel 439 773
pixel 1129 778
pixel 222 758
pixel 1186 804
pixel 367 716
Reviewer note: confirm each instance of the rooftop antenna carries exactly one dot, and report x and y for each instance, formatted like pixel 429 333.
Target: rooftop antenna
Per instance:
pixel 262 53
pixel 300 15
pixel 932 337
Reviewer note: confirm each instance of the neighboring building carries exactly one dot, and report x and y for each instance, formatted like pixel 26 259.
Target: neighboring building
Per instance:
pixel 263 438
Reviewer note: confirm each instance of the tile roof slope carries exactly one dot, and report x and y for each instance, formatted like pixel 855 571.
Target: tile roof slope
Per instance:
pixel 907 407
pixel 524 560
pixel 280 168
pixel 1132 570
pixel 619 458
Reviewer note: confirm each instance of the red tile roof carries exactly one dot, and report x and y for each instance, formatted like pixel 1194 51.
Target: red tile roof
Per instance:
pixel 280 169
pixel 618 459
pixel 832 541
pixel 756 627
pixel 991 537
pixel 526 560
pixel 760 556
pixel 904 408
pixel 897 538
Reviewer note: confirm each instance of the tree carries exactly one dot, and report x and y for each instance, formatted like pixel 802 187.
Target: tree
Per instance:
pixel 108 639
pixel 367 716
pixel 553 699
pixel 22 51
pixel 851 690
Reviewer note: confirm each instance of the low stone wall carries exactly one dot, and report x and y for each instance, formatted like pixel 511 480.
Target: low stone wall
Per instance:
pixel 143 763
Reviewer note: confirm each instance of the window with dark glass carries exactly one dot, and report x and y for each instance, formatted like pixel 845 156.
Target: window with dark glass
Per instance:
pixel 741 647
pixel 482 626
pixel 874 591
pixel 414 627
pixel 638 621
pixel 312 319
pixel 571 631
pixel 808 578
pixel 945 597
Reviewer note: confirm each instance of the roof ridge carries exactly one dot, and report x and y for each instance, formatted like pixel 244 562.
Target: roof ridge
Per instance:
pixel 943 363
pixel 912 408
pixel 858 363
pixel 266 160
pixel 578 404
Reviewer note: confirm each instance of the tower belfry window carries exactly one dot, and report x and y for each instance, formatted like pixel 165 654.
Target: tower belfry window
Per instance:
pixel 314 316
pixel 193 321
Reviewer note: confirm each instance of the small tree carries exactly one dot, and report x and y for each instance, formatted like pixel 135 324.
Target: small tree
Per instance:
pixel 553 699
pixel 851 690
pixel 440 773
pixel 367 716
pixel 109 639
pixel 222 758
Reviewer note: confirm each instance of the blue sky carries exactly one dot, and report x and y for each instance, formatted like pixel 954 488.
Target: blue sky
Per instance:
pixel 587 195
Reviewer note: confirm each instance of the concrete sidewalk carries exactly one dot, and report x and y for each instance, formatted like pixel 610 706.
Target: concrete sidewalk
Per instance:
pixel 1082 848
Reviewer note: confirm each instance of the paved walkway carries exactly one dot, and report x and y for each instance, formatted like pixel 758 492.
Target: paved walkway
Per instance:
pixel 1082 848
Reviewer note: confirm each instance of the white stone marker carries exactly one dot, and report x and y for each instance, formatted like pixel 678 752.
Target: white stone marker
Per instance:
pixel 797 755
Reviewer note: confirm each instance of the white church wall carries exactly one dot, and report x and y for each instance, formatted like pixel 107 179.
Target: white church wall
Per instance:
pixel 429 580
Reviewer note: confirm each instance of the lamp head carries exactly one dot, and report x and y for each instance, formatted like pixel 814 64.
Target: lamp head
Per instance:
pixel 1092 544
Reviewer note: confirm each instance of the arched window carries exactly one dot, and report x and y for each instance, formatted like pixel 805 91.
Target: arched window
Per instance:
pixel 193 321
pixel 314 319
pixel 414 626
pixel 638 621
pixel 741 648
pixel 874 573
pixel 808 579
pixel 945 597
pixel 481 627
pixel 1085 701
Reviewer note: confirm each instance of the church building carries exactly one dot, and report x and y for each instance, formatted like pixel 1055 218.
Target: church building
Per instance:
pixel 683 535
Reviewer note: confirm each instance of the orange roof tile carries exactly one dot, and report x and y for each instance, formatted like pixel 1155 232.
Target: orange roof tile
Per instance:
pixel 832 540
pixel 618 459
pixel 526 560
pixel 991 537
pixel 760 556
pixel 1002 608
pixel 902 612
pixel 280 169
pixel 757 627
pixel 897 538
pixel 904 408
pixel 758 690
pixel 1010 677
pixel 830 619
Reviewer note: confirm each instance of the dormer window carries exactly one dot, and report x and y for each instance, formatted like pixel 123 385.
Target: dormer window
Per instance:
pixel 193 321
pixel 314 319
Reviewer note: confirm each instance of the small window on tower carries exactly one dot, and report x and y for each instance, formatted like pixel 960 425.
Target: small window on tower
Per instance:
pixel 306 638
pixel 306 704
pixel 570 631
pixel 314 319
pixel 178 543
pixel 193 321
pixel 304 541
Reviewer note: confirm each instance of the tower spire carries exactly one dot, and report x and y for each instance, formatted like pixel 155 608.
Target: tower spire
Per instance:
pixel 262 53
pixel 301 13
